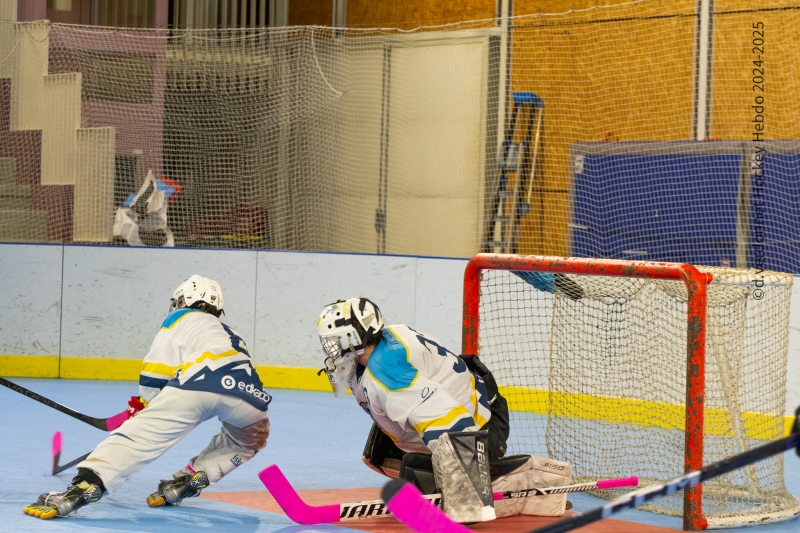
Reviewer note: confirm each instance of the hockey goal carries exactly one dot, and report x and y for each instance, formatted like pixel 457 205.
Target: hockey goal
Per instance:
pixel 633 368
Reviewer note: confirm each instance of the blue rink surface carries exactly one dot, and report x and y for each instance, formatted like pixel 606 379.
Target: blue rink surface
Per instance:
pixel 315 439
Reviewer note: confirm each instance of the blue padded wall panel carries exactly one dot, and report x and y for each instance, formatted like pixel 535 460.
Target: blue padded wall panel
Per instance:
pixel 779 226
pixel 664 207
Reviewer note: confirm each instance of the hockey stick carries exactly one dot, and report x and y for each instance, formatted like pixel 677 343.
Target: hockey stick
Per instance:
pixel 106 424
pixel 302 513
pixel 406 503
pixel 57 469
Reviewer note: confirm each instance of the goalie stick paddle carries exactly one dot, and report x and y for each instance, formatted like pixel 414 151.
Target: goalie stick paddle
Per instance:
pixel 407 504
pixel 57 469
pixel 302 513
pixel 106 424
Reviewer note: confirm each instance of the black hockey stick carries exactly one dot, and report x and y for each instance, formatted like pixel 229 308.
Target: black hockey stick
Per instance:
pixel 57 468
pixel 406 503
pixel 106 424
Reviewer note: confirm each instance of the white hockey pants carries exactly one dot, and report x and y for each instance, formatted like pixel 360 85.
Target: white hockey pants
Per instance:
pixel 166 420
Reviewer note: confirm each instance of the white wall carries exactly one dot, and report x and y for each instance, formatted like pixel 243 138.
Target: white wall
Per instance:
pixel 95 301
pixel 108 302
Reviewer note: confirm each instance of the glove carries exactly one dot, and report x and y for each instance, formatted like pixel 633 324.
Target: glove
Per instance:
pixel 796 427
pixel 135 405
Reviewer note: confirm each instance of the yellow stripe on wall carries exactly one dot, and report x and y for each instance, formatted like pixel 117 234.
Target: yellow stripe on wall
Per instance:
pixel 587 406
pixel 29 366
pixel 639 412
pixel 43 366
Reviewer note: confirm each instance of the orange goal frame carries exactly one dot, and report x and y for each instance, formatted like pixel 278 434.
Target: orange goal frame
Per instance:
pixel 695 282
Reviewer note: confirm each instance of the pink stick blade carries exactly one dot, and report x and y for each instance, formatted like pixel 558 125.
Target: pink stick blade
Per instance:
pixel 56 443
pixel 410 507
pixel 632 481
pixel 295 508
pixel 116 421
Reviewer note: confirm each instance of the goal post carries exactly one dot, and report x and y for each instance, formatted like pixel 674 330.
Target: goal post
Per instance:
pixel 604 364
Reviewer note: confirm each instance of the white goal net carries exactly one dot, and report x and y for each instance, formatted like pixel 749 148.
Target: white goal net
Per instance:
pixel 597 376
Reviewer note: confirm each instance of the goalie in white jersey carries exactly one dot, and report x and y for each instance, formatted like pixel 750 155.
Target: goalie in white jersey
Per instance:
pixel 439 418
pixel 197 368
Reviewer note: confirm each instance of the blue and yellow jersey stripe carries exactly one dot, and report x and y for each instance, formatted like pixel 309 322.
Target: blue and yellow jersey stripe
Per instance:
pixel 389 364
pixel 176 316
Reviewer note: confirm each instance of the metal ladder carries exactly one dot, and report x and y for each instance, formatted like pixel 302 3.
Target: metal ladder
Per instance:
pixel 515 169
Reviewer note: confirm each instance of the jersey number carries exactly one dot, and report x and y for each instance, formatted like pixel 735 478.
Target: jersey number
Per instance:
pixel 236 341
pixel 459 366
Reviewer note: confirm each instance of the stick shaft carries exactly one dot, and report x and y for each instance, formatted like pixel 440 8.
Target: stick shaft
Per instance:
pixel 579 487
pixel 57 469
pixel 691 479
pixel 99 423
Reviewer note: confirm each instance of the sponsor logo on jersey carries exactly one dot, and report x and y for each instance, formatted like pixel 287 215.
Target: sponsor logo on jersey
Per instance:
pixel 229 383
pixel 254 392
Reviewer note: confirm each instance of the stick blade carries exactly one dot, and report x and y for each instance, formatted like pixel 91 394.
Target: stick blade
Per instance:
pixel 411 508
pixel 291 503
pixel 56 446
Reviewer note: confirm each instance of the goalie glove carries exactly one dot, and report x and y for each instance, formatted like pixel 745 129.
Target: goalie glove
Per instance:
pixel 796 427
pixel 521 472
pixel 135 404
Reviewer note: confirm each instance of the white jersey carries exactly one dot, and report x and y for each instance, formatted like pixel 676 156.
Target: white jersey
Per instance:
pixel 195 351
pixel 415 390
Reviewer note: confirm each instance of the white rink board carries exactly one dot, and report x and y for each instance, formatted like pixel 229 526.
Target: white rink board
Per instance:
pixel 114 299
pixel 30 282
pixel 293 287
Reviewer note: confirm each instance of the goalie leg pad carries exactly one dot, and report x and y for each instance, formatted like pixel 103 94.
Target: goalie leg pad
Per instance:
pixel 523 472
pixel 461 471
pixel 381 454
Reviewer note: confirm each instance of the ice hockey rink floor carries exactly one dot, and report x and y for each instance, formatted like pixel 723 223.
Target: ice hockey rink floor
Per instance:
pixel 315 439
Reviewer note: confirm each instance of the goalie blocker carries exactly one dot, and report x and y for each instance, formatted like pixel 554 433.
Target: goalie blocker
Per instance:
pixel 383 456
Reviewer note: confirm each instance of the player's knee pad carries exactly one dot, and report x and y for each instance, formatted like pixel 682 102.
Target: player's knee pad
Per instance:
pixel 252 437
pixel 461 470
pixel 417 468
pixel 381 454
pixel 520 472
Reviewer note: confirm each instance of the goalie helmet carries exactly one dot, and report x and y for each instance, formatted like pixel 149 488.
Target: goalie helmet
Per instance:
pixel 345 327
pixel 196 290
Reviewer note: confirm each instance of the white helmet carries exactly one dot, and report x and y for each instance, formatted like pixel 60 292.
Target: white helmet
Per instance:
pixel 344 328
pixel 197 289
pixel 348 325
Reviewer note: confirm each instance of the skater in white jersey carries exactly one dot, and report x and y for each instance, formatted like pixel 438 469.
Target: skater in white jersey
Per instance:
pixel 197 368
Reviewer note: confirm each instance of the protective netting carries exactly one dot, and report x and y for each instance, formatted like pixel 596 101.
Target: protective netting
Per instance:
pixel 600 381
pixel 568 134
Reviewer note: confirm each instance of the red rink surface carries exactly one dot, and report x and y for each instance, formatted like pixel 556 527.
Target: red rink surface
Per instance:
pixel 263 501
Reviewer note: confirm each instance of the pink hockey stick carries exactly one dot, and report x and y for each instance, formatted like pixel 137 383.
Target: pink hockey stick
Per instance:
pixel 302 513
pixel 111 423
pixel 403 496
